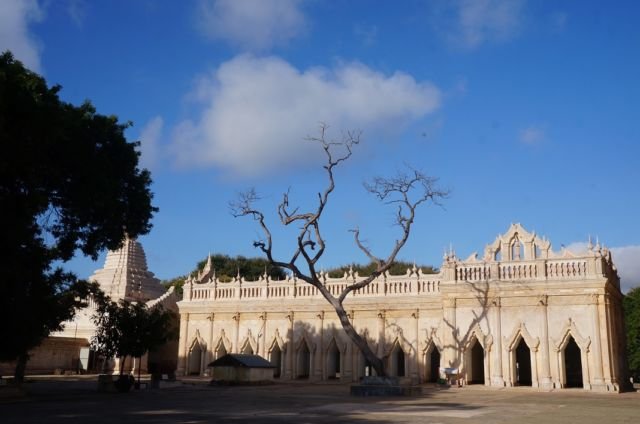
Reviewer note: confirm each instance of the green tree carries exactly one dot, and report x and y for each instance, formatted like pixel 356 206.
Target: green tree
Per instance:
pixel 397 268
pixel 631 306
pixel 69 181
pixel 228 267
pixel 129 329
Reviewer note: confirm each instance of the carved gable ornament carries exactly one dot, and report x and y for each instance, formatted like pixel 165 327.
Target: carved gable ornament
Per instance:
pixel 517 244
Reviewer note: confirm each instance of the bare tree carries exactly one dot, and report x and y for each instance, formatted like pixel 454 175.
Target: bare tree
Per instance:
pixel 407 191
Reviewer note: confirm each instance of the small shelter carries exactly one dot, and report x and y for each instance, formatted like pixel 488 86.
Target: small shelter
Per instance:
pixel 242 368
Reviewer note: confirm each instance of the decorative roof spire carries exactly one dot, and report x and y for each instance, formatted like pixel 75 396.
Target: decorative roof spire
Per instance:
pixel 207 266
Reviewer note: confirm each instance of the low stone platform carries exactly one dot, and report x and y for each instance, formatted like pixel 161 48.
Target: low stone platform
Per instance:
pixel 383 386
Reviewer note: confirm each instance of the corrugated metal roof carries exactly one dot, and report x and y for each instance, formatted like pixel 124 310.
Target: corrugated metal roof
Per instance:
pixel 241 360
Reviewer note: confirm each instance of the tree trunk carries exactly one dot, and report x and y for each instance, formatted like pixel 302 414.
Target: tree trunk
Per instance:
pixel 376 363
pixel 21 366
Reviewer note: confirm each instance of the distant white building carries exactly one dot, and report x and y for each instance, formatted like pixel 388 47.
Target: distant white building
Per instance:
pixel 519 314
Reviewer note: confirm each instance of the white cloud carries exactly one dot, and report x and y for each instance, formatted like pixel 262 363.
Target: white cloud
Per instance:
pixel 532 135
pixel 15 17
pixel 77 10
pixel 149 142
pixel 470 23
pixel 259 110
pixel 626 259
pixel 577 247
pixel 252 24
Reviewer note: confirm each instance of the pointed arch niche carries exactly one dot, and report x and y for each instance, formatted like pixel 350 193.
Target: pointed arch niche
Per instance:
pixel 398 355
pixel 304 358
pixel 276 354
pixel 522 354
pixel 432 357
pixel 222 346
pixel 572 357
pixel 196 355
pixel 362 367
pixel 476 354
pixel 249 345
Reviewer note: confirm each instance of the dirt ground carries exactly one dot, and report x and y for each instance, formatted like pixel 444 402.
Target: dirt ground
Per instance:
pixel 73 399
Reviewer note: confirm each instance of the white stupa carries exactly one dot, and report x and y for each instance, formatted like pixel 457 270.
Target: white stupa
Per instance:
pixel 125 275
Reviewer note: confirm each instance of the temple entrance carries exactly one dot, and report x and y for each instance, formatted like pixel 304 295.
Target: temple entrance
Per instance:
pixel 476 373
pixel 275 357
pixel 333 361
pixel 434 365
pixel 247 349
pixel 396 361
pixel 221 350
pixel 365 367
pixel 304 361
pixel 573 364
pixel 523 364
pixel 195 359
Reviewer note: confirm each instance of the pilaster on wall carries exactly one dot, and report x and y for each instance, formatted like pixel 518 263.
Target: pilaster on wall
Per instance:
pixel 496 377
pixel 182 345
pixel 451 356
pixel 546 382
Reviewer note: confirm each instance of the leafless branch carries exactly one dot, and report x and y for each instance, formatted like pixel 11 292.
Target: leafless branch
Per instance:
pixel 407 190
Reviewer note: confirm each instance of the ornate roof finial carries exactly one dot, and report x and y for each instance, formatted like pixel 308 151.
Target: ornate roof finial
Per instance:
pixel 207 265
pixel 590 244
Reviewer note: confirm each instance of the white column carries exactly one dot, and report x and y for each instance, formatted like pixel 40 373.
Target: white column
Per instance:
pixel 319 368
pixel 598 379
pixel 291 348
pixel 210 343
pixel 452 346
pixel 545 377
pixel 236 339
pixel 415 374
pixel 183 345
pixel 496 378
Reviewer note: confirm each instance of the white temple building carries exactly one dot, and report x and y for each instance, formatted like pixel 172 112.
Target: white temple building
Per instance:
pixel 124 276
pixel 519 314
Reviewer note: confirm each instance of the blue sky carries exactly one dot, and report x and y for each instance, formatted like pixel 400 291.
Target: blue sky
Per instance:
pixel 527 110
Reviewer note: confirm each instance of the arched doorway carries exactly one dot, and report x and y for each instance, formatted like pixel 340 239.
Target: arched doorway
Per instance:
pixel 573 364
pixel 275 357
pixel 333 360
pixel 434 365
pixel 523 364
pixel 397 361
pixel 365 366
pixel 195 359
pixel 304 361
pixel 476 374
pixel 247 349
pixel 220 350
